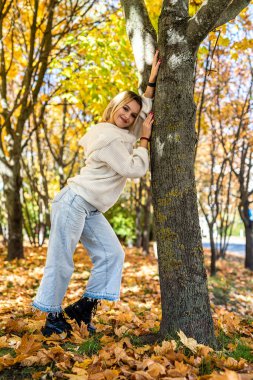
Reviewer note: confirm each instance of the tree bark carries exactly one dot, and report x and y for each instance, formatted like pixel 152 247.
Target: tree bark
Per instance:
pixel 138 218
pixel 183 280
pixel 249 246
pixel 147 220
pixel 12 186
pixel 184 293
pixel 213 252
pixel 244 213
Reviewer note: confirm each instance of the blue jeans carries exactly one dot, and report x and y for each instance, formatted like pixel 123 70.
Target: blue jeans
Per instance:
pixel 74 219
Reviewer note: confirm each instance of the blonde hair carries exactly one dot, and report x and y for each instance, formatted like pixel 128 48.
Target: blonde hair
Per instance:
pixel 119 101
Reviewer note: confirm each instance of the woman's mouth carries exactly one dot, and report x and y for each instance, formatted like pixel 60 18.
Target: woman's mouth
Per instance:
pixel 124 120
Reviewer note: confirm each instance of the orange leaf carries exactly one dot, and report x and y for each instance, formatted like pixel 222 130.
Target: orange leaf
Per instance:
pixel 28 345
pixel 16 325
pixel 227 375
pixel 141 375
pixel 156 369
pixel 166 347
pixel 97 376
pixel 111 374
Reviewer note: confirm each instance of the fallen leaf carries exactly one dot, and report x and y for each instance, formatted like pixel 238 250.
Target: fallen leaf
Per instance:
pixel 140 375
pixel 156 369
pixel 28 345
pixel 188 342
pixel 111 374
pixel 80 374
pixel 166 347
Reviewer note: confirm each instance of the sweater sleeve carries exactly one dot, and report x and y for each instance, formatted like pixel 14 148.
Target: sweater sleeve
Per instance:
pixel 128 165
pixel 136 129
pixel 146 106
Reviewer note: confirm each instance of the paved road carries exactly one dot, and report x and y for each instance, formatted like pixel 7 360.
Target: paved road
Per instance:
pixel 236 245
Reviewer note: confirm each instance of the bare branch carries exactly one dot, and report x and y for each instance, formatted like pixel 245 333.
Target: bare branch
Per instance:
pixel 232 11
pixel 208 16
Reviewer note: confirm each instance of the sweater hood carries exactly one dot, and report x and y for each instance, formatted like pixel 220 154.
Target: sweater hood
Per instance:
pixel 103 134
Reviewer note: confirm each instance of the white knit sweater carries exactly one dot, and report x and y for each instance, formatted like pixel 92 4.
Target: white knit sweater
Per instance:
pixel 110 160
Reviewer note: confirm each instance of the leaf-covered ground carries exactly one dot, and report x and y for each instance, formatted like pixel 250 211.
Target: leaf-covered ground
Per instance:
pixel 117 351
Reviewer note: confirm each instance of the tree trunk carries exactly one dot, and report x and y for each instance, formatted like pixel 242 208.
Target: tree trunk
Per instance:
pixel 249 246
pixel 183 279
pixel 147 221
pixel 138 219
pixel 12 187
pixel 213 252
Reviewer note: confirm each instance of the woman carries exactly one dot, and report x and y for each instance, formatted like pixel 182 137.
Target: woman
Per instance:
pixel 77 209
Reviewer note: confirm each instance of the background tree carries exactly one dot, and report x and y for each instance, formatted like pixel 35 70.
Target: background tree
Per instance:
pixel 30 35
pixel 239 150
pixel 214 177
pixel 185 303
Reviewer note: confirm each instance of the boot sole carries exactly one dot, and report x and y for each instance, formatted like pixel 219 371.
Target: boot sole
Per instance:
pixel 47 332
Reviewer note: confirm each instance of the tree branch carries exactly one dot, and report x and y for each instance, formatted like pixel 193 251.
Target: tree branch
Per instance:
pixel 233 10
pixel 142 36
pixel 211 14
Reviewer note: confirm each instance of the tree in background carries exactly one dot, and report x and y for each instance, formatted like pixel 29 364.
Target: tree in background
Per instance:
pixel 31 35
pixel 225 133
pixel 185 302
pixel 237 143
pixel 214 177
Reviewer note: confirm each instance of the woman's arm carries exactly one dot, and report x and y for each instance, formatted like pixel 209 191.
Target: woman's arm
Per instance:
pixel 117 156
pixel 150 91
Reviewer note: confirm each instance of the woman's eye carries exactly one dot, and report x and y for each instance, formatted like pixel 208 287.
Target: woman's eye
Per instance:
pixel 125 108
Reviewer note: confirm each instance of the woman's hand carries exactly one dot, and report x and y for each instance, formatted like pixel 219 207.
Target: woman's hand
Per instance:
pixel 146 129
pixel 155 67
pixel 150 90
pixel 147 125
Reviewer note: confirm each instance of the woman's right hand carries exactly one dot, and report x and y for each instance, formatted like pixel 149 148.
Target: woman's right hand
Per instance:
pixel 147 125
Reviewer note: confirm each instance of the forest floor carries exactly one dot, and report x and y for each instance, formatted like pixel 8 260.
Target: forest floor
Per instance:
pixel 116 351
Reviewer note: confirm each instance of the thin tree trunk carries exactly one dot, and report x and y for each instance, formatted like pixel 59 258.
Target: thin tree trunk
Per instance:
pixel 213 252
pixel 249 246
pixel 147 221
pixel 12 187
pixel 139 206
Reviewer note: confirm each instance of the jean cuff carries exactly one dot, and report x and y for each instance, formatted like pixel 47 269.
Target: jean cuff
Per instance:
pixel 98 296
pixel 47 309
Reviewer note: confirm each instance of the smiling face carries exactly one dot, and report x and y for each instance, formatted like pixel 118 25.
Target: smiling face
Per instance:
pixel 125 116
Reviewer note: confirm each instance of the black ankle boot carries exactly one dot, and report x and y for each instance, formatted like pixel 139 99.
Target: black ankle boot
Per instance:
pixel 56 323
pixel 83 311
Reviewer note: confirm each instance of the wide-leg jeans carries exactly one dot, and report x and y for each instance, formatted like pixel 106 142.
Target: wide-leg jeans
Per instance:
pixel 74 219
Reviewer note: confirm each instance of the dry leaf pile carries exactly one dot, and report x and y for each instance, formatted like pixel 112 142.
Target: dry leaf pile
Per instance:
pixel 117 350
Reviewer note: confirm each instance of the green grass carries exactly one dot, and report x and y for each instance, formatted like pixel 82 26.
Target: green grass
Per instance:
pixel 224 340
pixel 90 346
pixel 241 350
pixel 7 350
pixel 20 373
pixel 155 329
pixel 69 347
pixel 206 367
pixel 136 341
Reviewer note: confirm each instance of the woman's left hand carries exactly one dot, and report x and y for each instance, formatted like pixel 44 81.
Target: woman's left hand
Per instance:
pixel 155 67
